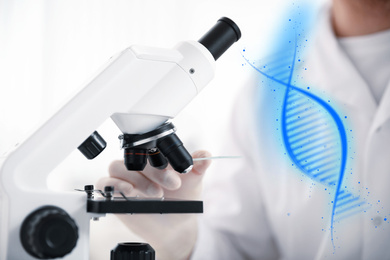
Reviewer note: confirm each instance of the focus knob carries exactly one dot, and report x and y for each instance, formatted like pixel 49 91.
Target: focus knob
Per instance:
pixel 49 232
pixel 92 146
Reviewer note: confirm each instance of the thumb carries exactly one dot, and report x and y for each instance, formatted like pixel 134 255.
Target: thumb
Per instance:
pixel 191 184
pixel 192 179
pixel 200 167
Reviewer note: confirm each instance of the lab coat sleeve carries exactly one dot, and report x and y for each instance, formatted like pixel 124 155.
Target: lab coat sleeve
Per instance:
pixel 234 224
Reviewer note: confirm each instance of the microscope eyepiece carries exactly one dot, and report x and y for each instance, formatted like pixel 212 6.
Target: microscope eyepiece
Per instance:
pixel 219 38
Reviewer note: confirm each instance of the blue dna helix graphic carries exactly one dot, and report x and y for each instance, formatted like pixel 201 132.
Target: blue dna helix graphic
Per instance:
pixel 313 134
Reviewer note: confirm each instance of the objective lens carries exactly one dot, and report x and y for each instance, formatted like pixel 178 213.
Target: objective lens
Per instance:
pixel 135 159
pixel 133 251
pixel 173 149
pixel 157 159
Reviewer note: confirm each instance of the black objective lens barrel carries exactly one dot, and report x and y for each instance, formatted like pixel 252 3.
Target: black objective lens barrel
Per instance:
pixel 133 251
pixel 219 38
pixel 157 159
pixel 135 159
pixel 173 149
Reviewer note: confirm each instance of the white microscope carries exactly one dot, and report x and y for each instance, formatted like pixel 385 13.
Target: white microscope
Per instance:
pixel 140 89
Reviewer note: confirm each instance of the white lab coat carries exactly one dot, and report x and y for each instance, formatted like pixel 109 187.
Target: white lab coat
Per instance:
pixel 260 207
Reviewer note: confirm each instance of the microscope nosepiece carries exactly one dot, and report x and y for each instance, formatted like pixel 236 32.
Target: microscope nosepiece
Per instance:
pixel 219 38
pixel 159 146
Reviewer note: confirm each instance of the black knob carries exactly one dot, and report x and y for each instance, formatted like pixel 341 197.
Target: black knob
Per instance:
pixel 92 146
pixel 133 251
pixel 48 232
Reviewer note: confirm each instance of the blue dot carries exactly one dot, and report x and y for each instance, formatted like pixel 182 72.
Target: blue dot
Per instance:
pixel 385 219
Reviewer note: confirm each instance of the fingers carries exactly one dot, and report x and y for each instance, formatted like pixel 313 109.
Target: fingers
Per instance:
pixel 200 167
pixel 167 178
pixel 140 183
pixel 153 182
pixel 129 189
pixel 191 182
pixel 119 185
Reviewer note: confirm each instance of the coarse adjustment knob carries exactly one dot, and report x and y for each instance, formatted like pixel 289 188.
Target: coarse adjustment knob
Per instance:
pixel 133 251
pixel 92 146
pixel 48 232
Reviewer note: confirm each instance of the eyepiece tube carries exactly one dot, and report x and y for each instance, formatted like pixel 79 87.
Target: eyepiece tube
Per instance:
pixel 219 38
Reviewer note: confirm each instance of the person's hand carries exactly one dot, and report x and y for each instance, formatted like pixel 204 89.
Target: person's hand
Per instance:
pixel 173 236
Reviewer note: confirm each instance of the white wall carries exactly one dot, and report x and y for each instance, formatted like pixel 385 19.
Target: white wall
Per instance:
pixel 49 48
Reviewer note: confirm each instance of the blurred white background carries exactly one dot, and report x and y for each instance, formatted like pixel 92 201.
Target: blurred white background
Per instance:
pixel 48 49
